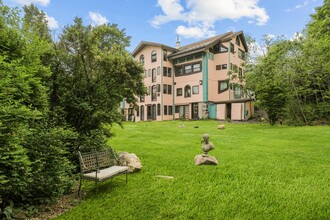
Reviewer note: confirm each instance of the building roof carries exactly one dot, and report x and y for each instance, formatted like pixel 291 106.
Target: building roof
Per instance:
pixel 207 43
pixel 195 47
pixel 143 44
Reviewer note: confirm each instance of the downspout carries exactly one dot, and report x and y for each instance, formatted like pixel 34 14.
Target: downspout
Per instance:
pixel 173 96
pixel 229 90
pixel 161 84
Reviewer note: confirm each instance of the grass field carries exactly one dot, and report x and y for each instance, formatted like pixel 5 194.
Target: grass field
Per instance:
pixel 264 172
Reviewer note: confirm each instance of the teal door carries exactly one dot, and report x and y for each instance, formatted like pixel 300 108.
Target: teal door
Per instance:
pixel 212 111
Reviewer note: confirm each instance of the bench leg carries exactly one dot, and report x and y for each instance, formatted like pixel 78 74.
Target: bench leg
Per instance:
pixel 79 188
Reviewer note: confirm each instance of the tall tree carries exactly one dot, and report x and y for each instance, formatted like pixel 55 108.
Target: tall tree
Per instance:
pixel 300 71
pixel 33 166
pixel 317 49
pixel 93 75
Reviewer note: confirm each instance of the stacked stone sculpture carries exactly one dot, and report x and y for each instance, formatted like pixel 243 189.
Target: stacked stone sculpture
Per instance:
pixel 205 159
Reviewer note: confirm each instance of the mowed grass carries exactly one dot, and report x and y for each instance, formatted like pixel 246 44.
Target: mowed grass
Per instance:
pixel 264 172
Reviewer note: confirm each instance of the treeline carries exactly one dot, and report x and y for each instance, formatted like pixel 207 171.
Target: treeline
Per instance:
pixel 56 97
pixel 292 80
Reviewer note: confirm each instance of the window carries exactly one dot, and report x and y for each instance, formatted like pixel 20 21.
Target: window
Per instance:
pixel 224 66
pixel 158 70
pixel 189 58
pixel 218 48
pixel 164 88
pixel 154 93
pixel 153 56
pixel 179 92
pixel 196 67
pixel 198 56
pixel 145 73
pixel 164 71
pixel 232 48
pixel 195 89
pixel 218 67
pixel 158 109
pixel 158 87
pixel 241 54
pixel 170 111
pixel 149 90
pixel 142 59
pixel 240 73
pixel 187 91
pixel 169 89
pixel 177 109
pixel 223 49
pixel 169 72
pixel 141 98
pixel 238 41
pixel 179 71
pixel 165 55
pixel 153 78
pixel 237 91
pixel 149 72
pixel 188 69
pixel 222 86
pixel 165 109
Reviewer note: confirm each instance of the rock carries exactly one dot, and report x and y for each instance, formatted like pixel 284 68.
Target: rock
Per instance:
pixel 131 160
pixel 205 160
pixel 221 126
pixel 206 144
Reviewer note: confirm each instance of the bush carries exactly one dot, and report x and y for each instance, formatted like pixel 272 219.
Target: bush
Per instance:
pixel 50 167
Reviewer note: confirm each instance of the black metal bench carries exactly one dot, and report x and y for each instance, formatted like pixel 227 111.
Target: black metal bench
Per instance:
pixel 99 166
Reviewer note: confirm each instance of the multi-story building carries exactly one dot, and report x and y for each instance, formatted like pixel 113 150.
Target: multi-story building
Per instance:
pixel 197 81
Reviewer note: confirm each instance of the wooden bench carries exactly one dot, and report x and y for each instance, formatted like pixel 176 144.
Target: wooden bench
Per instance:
pixel 99 166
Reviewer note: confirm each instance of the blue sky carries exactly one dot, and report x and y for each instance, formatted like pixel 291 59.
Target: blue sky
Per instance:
pixel 161 20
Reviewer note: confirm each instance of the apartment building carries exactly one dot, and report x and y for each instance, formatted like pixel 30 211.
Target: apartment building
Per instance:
pixel 203 80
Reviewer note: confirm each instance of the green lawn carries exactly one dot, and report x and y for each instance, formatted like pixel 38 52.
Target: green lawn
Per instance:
pixel 264 172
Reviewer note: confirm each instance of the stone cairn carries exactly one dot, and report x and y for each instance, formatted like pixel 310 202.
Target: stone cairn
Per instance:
pixel 205 159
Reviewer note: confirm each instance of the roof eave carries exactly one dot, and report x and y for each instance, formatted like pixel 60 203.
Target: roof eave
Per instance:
pixel 143 44
pixel 182 54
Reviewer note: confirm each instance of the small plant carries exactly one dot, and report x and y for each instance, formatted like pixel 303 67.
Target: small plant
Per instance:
pixel 7 212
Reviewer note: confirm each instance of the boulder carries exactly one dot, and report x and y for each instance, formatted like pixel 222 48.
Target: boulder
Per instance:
pixel 205 160
pixel 131 160
pixel 221 126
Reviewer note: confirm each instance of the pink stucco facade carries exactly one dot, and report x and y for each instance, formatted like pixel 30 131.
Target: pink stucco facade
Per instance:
pixel 197 81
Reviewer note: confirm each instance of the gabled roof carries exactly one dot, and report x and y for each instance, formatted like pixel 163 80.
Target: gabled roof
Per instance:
pixel 240 34
pixel 194 47
pixel 207 43
pixel 143 44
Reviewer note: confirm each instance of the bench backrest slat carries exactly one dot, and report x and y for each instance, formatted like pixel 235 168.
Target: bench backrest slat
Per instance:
pixel 93 161
pixel 104 159
pixel 88 162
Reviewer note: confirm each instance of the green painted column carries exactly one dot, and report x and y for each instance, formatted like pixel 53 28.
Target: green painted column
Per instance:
pixel 205 68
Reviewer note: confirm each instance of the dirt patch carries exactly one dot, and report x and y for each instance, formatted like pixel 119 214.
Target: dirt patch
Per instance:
pixel 65 203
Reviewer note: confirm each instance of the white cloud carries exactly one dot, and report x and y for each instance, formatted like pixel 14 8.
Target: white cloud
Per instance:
pixel 97 18
pixel 172 11
pixel 194 32
pixel 52 23
pixel 202 14
pixel 36 2
pixel 302 5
